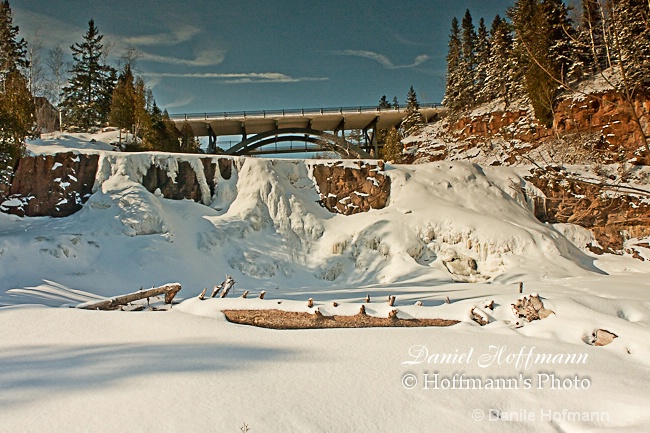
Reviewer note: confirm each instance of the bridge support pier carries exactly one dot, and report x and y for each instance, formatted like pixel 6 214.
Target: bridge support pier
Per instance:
pixel 212 140
pixel 371 141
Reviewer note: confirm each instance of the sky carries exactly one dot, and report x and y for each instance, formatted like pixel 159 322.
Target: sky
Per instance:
pixel 226 55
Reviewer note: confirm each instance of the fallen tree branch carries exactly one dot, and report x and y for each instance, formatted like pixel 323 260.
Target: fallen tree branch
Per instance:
pixel 169 290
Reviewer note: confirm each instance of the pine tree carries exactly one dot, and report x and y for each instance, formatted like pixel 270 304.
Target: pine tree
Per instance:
pixel 413 122
pixel 17 118
pixel 384 104
pixel 188 142
pixel 122 112
pixel 393 148
pixel 560 34
pixel 454 73
pixel 589 50
pixel 542 47
pixel 395 103
pixel 86 99
pixel 17 112
pixel 13 52
pixel 499 79
pixel 483 49
pixel 631 34
pixel 142 116
pixel 468 62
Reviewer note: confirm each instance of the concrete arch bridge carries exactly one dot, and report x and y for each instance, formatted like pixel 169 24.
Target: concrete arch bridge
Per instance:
pixel 317 129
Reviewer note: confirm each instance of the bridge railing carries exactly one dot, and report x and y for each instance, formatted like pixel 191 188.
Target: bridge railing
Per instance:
pixel 292 112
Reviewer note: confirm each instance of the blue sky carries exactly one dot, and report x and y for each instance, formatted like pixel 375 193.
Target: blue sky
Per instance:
pixel 227 55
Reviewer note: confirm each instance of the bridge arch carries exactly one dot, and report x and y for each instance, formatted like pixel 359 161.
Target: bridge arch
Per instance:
pixel 324 141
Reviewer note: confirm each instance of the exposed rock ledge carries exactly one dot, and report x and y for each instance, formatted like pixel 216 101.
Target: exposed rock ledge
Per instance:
pixel 58 185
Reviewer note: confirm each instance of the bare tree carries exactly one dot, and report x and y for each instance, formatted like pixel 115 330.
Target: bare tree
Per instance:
pixel 35 74
pixel 130 57
pixel 57 68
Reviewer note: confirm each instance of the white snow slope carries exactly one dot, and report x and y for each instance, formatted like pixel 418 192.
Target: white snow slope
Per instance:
pixel 189 370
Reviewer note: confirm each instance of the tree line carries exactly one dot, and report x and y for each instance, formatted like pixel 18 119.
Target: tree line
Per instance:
pixel 88 93
pixel 544 47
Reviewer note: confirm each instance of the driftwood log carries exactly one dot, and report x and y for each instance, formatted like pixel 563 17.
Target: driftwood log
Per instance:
pixel 169 290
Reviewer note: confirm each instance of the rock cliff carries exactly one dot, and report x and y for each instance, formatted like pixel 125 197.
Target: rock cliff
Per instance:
pixel 58 185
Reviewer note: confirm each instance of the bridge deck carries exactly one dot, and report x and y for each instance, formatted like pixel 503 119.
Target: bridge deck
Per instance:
pixel 322 119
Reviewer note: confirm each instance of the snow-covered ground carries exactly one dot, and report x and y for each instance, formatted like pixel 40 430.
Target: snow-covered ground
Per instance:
pixel 188 370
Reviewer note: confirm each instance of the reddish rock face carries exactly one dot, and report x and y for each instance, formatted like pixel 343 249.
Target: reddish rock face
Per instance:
pixel 350 190
pixel 498 123
pixel 52 185
pixel 612 220
pixel 607 114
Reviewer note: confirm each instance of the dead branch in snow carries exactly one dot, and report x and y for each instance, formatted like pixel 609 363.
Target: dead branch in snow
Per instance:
pixel 169 290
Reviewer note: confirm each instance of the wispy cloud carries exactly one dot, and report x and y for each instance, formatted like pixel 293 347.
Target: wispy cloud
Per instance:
pixel 207 57
pixel 173 37
pixel 238 78
pixel 182 102
pixel 405 41
pixel 382 59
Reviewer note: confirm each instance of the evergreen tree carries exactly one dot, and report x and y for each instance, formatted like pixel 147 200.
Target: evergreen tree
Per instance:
pixel 188 142
pixel 483 49
pixel 17 112
pixel 499 75
pixel 467 95
pixel 542 46
pixel 560 34
pixel 13 52
pixel 454 73
pixel 413 122
pixel 142 116
pixel 17 118
pixel 393 148
pixel 384 104
pixel 589 51
pixel 631 34
pixel 122 112
pixel 86 99
pixel 395 103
